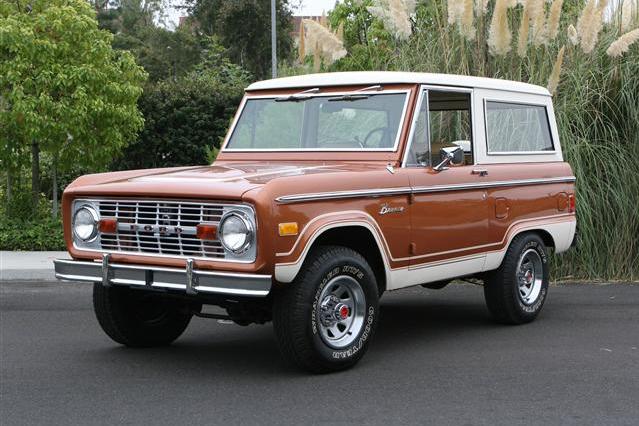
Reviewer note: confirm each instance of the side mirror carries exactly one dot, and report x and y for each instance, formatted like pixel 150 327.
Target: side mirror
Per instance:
pixel 452 155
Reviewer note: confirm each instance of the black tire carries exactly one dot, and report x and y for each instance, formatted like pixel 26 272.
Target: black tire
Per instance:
pixel 504 297
pixel 296 319
pixel 136 318
pixel 437 285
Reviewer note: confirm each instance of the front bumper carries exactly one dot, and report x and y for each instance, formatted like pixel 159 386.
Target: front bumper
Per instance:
pixel 190 280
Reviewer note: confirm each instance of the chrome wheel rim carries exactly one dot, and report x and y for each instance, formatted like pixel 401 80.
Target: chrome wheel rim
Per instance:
pixel 530 276
pixel 340 311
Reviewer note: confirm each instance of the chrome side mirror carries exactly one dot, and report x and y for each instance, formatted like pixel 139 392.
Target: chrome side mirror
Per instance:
pixel 452 155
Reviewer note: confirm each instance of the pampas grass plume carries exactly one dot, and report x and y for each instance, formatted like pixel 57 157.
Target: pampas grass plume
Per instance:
pixel 499 36
pixel 585 17
pixel 552 26
pixel 317 59
pixel 622 44
pixel 481 7
pixel 395 14
pixel 537 13
pixel 555 75
pixel 522 40
pixel 455 10
pixel 467 29
pixel 589 25
pixel 324 42
pixel 302 45
pixel 573 37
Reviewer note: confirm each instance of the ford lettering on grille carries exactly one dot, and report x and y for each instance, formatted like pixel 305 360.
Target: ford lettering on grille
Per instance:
pixel 161 227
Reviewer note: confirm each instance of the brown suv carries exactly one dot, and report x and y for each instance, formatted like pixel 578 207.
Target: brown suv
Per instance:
pixel 329 190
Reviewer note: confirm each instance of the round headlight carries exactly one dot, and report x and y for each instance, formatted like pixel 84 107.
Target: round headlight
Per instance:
pixel 85 223
pixel 236 232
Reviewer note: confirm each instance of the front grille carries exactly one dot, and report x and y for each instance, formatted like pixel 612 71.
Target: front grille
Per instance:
pixel 160 227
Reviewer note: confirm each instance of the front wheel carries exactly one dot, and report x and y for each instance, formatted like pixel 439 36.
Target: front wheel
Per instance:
pixel 517 290
pixel 325 319
pixel 138 318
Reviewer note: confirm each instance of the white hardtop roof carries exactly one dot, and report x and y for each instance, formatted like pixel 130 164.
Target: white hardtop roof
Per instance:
pixel 390 77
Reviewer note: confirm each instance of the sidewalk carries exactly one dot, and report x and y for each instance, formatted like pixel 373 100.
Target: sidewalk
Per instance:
pixel 29 265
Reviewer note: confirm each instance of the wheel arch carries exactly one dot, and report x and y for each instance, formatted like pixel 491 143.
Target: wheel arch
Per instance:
pixel 361 240
pixel 358 236
pixel 557 235
pixel 546 237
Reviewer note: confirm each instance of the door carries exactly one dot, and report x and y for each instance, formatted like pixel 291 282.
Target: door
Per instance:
pixel 449 218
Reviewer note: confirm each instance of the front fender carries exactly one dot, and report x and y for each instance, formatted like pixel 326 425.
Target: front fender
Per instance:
pixel 288 264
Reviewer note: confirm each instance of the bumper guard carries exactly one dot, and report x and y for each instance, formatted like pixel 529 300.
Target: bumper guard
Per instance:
pixel 191 280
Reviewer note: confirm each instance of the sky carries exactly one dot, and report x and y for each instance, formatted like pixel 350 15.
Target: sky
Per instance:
pixel 308 7
pixel 314 7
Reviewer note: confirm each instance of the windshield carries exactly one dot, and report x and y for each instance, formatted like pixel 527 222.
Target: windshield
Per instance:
pixel 350 122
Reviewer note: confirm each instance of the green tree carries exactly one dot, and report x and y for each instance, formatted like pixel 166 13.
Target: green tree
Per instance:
pixel 162 53
pixel 64 91
pixel 244 28
pixel 369 44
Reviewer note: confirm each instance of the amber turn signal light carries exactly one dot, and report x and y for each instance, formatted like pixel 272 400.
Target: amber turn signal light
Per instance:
pixel 108 226
pixel 288 228
pixel 206 231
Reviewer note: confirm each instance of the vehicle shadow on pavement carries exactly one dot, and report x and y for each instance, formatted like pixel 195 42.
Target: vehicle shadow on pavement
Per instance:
pixel 213 349
pixel 428 321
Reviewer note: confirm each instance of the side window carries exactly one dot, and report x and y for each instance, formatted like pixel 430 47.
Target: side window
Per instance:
pixel 444 120
pixel 514 127
pixel 450 123
pixel 419 148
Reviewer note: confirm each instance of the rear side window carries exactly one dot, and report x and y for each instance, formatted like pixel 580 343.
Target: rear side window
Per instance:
pixel 517 128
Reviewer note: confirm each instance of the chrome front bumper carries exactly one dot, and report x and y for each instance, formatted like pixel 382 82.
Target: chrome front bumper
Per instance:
pixel 192 281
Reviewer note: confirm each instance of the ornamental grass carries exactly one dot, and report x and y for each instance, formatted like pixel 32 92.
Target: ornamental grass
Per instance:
pixel 587 54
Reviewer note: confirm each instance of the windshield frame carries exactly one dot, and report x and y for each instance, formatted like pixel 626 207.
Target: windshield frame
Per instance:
pixel 326 94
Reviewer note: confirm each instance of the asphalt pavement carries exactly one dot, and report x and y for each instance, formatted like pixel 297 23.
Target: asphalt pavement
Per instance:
pixel 437 359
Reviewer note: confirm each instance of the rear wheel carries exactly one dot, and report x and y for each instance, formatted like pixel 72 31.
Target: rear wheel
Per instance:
pixel 138 318
pixel 325 319
pixel 517 290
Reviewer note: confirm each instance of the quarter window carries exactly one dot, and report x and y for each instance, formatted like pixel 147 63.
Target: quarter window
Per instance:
pixel 517 128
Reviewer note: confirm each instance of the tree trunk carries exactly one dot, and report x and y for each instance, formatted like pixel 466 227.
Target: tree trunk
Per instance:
pixel 54 210
pixel 9 185
pixel 35 173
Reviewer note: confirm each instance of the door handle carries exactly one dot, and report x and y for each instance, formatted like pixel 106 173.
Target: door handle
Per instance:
pixel 480 172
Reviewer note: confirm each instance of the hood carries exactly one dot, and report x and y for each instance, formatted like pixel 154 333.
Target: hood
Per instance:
pixel 221 180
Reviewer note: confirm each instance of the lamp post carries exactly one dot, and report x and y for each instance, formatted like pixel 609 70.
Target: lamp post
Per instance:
pixel 273 41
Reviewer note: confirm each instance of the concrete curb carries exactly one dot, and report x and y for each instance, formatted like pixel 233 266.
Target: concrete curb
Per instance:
pixel 29 265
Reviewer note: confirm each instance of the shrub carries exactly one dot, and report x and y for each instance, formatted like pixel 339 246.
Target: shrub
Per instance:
pixel 186 118
pixel 32 235
pixel 24 228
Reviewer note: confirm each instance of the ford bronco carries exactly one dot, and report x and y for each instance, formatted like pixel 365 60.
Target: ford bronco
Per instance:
pixel 329 190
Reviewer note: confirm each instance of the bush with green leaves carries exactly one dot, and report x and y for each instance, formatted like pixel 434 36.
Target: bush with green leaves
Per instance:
pixel 186 119
pixel 29 228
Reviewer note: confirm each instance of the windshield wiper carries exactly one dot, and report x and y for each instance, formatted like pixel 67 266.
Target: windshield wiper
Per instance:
pixel 297 97
pixel 348 98
pixel 292 98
